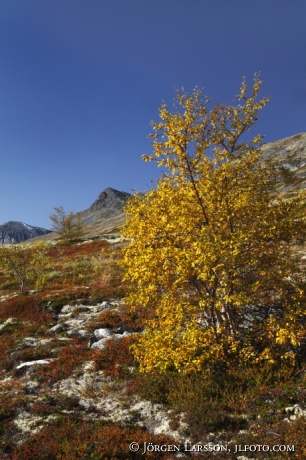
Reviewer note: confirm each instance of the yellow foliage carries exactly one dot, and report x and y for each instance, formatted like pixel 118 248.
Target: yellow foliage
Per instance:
pixel 212 241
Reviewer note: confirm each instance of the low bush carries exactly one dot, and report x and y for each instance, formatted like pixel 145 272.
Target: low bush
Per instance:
pixel 227 401
pixel 115 359
pixel 69 439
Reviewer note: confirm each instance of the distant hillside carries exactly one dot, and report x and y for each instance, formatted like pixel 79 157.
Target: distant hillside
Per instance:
pixel 290 156
pixel 109 203
pixel 108 226
pixel 15 232
pixel 105 215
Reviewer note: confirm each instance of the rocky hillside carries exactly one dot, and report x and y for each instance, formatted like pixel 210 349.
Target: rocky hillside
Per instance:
pixel 14 232
pixel 104 216
pixel 290 156
pixel 108 204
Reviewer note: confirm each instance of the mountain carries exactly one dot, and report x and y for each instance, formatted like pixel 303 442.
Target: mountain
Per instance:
pixel 290 157
pixel 14 232
pixel 105 215
pixel 108 204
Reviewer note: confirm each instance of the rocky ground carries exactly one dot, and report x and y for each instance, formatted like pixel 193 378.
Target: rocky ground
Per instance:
pixel 87 392
pixel 65 367
pixel 94 395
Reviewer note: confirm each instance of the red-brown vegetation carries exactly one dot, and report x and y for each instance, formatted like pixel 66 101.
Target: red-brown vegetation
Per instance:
pixel 68 359
pixel 224 401
pixel 125 317
pixel 116 358
pixel 69 439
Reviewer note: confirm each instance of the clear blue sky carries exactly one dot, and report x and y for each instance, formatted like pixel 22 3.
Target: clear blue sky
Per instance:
pixel 80 81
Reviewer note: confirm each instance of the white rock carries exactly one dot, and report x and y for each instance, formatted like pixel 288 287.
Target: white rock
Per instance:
pixel 32 386
pixel 56 328
pixel 31 363
pixel 78 322
pixel 106 304
pixel 102 333
pixel 242 457
pixel 30 341
pixel 100 344
pixel 8 321
pixel 89 366
pixel 67 309
pixel 296 411
pixel 33 342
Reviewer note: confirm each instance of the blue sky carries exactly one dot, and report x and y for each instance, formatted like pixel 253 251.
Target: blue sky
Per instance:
pixel 80 81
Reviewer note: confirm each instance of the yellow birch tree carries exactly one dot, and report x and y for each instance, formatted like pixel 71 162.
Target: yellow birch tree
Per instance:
pixel 209 248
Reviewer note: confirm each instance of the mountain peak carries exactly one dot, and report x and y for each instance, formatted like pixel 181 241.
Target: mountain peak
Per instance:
pixel 110 198
pixel 109 203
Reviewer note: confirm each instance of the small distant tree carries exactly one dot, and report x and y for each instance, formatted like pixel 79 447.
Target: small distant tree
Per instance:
pixel 210 249
pixel 68 225
pixel 24 263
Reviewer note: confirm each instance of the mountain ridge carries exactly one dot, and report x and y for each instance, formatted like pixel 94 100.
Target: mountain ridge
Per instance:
pixel 105 214
pixel 15 232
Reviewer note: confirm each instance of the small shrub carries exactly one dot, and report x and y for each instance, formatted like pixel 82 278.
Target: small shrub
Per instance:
pixel 152 386
pixel 203 417
pixel 116 358
pixel 6 414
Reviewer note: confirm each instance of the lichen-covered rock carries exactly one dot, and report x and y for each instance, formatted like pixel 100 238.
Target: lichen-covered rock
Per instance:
pixel 102 333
